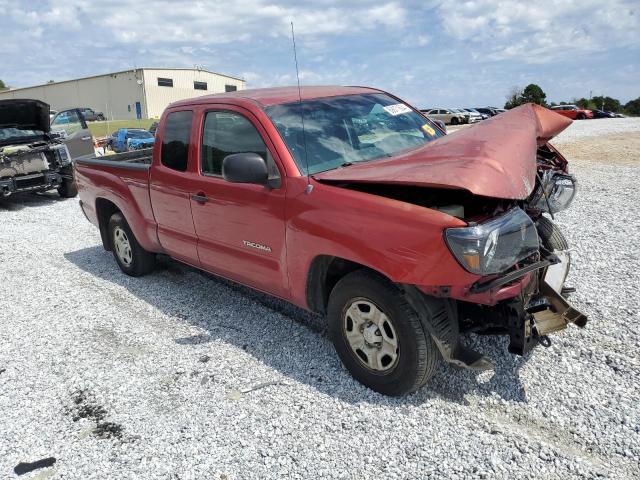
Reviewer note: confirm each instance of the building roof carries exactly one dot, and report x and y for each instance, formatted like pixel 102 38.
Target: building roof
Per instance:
pixel 119 72
pixel 279 95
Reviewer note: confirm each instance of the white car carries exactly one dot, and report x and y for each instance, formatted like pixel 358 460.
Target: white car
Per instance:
pixel 446 115
pixel 474 116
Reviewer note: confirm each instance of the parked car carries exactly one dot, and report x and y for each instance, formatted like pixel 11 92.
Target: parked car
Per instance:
pixel 477 114
pixel 573 112
pixel 472 117
pixel 464 113
pixel 403 237
pixel 490 112
pixel 90 115
pixel 31 159
pixel 126 139
pixel 602 114
pixel 446 115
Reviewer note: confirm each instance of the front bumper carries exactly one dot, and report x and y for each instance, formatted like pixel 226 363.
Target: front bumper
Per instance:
pixel 30 183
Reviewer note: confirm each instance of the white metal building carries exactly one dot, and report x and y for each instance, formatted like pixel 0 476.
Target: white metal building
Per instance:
pixel 130 94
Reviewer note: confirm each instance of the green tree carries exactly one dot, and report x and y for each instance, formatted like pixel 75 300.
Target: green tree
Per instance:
pixel 2 85
pixel 606 103
pixel 633 107
pixel 583 103
pixel 514 98
pixel 532 93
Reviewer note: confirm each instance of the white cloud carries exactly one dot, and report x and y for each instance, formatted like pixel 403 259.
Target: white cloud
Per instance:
pixel 541 31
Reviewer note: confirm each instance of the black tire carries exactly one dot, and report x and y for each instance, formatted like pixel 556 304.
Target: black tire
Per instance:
pixel 417 354
pixel 141 262
pixel 581 116
pixel 454 121
pixel 68 188
pixel 553 238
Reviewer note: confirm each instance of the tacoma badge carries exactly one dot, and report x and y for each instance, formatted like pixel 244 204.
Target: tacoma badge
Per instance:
pixel 256 245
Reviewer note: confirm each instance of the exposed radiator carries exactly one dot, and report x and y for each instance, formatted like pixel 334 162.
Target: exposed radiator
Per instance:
pixel 23 164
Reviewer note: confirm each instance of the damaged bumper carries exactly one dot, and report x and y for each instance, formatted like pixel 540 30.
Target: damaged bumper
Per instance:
pixel 30 183
pixel 526 304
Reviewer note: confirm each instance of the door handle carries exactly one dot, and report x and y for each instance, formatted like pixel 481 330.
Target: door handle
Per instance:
pixel 86 138
pixel 200 197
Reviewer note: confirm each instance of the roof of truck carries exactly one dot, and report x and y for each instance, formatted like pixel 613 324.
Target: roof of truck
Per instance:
pixel 279 95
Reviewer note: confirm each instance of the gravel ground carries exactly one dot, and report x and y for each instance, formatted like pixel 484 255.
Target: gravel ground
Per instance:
pixel 118 377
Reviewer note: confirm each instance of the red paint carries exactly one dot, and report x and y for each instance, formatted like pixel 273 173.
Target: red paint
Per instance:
pixel 577 114
pixel 402 241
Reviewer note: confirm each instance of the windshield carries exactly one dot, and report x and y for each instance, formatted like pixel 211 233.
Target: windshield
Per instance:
pixel 342 130
pixel 14 133
pixel 139 134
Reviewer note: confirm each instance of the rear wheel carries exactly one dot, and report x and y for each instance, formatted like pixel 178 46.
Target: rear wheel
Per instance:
pixel 454 121
pixel 130 256
pixel 581 116
pixel 378 336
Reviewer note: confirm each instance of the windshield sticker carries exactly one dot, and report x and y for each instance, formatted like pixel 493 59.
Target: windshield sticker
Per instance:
pixel 427 128
pixel 397 109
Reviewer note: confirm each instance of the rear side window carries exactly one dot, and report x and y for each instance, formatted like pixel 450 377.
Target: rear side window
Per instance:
pixel 175 141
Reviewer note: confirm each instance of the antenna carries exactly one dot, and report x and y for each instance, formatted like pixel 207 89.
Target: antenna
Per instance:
pixel 304 136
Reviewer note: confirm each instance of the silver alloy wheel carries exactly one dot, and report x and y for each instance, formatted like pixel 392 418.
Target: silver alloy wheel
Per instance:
pixel 122 246
pixel 371 335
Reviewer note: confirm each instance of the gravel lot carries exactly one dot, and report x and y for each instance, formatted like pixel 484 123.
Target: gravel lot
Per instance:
pixel 118 377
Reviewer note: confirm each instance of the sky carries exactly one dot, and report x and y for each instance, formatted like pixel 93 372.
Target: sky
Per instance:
pixel 430 53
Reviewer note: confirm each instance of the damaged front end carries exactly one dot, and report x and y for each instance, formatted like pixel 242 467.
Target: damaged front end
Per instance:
pixel 523 260
pixel 34 166
pixel 30 159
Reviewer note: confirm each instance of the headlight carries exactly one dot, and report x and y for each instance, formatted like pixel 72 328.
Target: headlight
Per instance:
pixel 62 154
pixel 560 190
pixel 494 246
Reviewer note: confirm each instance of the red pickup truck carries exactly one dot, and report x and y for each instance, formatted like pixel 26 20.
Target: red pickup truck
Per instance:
pixel 348 202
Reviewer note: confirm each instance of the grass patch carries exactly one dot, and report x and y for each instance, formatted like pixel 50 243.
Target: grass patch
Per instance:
pixel 104 129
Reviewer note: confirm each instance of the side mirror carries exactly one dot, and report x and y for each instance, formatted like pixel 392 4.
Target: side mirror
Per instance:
pixel 245 168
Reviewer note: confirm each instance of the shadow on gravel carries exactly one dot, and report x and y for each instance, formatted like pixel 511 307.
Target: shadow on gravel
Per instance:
pixel 227 311
pixel 14 203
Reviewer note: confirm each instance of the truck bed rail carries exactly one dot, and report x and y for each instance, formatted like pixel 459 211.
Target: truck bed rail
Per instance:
pixel 134 160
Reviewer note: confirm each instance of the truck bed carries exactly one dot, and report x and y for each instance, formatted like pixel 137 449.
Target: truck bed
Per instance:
pixel 136 159
pixel 120 180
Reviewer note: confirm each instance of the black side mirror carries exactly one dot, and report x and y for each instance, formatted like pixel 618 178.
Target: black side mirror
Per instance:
pixel 245 168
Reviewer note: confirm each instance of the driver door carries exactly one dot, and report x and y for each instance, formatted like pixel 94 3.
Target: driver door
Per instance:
pixel 240 227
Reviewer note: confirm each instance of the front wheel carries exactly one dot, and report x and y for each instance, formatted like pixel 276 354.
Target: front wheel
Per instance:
pixel 554 240
pixel 454 121
pixel 378 336
pixel 130 256
pixel 68 188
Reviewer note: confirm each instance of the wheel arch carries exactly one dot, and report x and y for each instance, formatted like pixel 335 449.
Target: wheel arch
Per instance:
pixel 104 211
pixel 324 272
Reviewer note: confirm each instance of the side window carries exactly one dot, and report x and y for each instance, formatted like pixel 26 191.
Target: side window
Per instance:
pixel 230 88
pixel 67 123
pixel 225 133
pixel 175 142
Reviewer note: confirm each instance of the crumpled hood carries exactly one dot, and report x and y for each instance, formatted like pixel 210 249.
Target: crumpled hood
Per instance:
pixel 25 114
pixel 495 158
